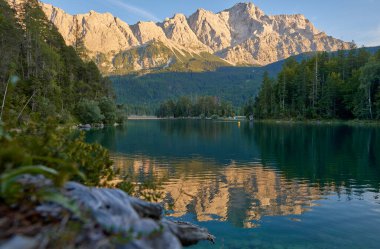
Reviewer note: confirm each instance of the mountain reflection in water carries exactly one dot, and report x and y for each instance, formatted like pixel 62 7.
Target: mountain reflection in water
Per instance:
pixel 239 194
pixel 259 185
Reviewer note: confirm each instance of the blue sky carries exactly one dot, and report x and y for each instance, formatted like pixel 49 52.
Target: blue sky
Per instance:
pixel 357 20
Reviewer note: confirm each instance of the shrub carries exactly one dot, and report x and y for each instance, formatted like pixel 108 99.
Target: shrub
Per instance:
pixel 59 149
pixel 88 112
pixel 214 116
pixel 108 110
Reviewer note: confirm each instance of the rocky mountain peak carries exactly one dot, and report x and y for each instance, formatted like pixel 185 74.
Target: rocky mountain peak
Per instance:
pixel 177 29
pixel 201 11
pixel 246 10
pixel 148 31
pixel 243 34
pixel 180 17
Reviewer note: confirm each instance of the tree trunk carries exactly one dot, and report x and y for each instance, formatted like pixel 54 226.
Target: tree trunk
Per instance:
pixel 5 96
pixel 370 102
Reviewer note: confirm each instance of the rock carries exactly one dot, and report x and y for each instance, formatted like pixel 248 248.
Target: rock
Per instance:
pixel 188 233
pixel 110 207
pixel 108 217
pixel 17 242
pixel 85 127
pixel 146 209
pixel 116 212
pixel 177 29
pixel 166 241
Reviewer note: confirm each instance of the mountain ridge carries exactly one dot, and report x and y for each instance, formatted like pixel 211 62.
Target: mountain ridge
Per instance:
pixel 240 35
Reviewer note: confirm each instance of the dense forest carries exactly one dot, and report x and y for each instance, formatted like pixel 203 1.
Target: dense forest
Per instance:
pixel 343 85
pixel 147 92
pixel 41 77
pixel 203 107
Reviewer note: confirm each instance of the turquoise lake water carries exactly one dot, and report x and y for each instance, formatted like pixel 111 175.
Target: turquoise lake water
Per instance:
pixel 259 185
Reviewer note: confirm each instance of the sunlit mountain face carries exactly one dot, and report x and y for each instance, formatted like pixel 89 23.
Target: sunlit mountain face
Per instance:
pixel 257 185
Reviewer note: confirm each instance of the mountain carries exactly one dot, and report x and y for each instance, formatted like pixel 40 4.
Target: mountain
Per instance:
pixel 241 35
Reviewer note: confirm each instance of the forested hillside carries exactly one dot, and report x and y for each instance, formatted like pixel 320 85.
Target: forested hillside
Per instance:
pixel 235 85
pixel 343 85
pixel 202 107
pixel 41 77
pixel 144 93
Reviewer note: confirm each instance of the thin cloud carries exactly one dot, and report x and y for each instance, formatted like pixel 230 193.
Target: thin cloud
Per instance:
pixel 369 38
pixel 375 41
pixel 135 10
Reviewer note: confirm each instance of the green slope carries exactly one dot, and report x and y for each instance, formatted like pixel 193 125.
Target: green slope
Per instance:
pixel 234 84
pixel 158 58
pixel 231 84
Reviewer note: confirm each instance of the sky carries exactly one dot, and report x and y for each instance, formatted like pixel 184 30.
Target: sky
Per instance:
pixel 357 20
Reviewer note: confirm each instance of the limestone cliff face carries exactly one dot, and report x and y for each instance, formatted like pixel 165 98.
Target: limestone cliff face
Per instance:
pixel 243 34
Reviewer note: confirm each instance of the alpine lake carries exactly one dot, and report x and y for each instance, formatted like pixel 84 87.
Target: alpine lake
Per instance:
pixel 257 185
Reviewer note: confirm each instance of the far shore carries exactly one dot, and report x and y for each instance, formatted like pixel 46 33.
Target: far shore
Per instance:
pixel 278 121
pixel 144 117
pixel 354 122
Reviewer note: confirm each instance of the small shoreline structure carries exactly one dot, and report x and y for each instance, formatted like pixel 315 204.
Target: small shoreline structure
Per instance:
pixel 87 217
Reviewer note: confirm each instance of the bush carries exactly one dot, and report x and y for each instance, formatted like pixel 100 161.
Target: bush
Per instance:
pixel 88 112
pixel 214 116
pixel 59 149
pixel 109 110
pixel 121 116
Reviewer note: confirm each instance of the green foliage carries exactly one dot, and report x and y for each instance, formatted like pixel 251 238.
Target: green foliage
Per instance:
pixel 3 134
pixel 88 112
pixel 249 107
pixel 143 94
pixel 93 160
pixel 109 110
pixel 264 99
pixel 60 199
pixel 59 149
pixel 8 180
pixel 12 190
pixel 342 85
pixel 370 83
pixel 105 111
pixel 205 106
pixel 52 77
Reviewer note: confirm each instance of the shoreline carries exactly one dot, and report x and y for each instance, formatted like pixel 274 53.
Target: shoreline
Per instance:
pixel 271 121
pixel 321 122
pixel 135 117
pixel 144 117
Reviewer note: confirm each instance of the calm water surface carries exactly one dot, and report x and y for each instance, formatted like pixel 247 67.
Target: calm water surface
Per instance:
pixel 262 185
